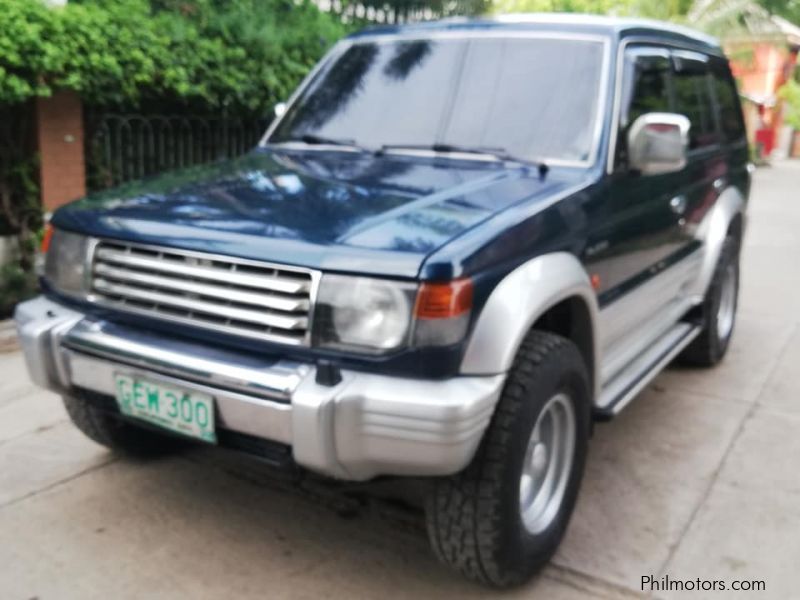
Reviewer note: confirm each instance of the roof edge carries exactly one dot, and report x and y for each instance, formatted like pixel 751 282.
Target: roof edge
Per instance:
pixel 618 25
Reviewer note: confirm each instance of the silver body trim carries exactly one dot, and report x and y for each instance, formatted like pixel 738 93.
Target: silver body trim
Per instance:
pixel 367 425
pixel 234 411
pixel 631 324
pixel 515 305
pixel 641 371
pixel 712 230
pixel 41 327
pixel 225 370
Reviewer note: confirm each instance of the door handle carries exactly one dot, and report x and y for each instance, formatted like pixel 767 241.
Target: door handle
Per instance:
pixel 719 183
pixel 678 204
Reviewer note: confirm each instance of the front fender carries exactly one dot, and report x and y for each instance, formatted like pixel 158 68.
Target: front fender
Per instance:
pixel 517 302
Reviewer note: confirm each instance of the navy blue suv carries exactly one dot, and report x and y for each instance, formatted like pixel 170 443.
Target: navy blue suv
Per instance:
pixel 458 245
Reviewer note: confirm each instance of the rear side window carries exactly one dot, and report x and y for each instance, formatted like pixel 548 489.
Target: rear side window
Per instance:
pixel 730 112
pixel 693 100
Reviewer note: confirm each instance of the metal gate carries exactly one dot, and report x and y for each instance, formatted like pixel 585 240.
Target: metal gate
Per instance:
pixel 126 147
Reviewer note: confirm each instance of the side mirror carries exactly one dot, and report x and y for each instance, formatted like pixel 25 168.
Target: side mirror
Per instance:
pixel 280 109
pixel 658 143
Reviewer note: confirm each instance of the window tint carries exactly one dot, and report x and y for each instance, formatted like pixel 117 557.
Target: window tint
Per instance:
pixel 693 100
pixel 533 97
pixel 730 112
pixel 645 89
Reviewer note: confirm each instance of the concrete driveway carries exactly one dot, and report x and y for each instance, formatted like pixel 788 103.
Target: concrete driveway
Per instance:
pixel 698 478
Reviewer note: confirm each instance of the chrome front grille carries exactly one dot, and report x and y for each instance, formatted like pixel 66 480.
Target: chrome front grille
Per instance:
pixel 235 296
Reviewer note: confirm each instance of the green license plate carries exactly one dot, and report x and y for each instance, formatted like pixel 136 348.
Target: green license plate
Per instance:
pixel 181 411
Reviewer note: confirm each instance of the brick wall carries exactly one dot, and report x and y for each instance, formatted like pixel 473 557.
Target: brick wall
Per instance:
pixel 59 130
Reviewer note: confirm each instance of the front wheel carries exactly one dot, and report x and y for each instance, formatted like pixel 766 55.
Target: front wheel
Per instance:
pixel 114 433
pixel 501 519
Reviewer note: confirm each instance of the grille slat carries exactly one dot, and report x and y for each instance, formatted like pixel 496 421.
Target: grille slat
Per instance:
pixel 168 264
pixel 203 289
pixel 240 297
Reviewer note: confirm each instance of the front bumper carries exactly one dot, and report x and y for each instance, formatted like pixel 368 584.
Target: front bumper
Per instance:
pixel 367 425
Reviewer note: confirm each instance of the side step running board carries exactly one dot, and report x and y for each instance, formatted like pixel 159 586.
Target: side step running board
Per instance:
pixel 632 380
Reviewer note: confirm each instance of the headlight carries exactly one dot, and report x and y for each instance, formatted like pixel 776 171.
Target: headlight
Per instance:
pixel 66 262
pixel 359 313
pixel 376 315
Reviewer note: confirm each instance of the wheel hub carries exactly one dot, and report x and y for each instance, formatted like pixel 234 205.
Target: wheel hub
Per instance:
pixel 547 464
pixel 539 458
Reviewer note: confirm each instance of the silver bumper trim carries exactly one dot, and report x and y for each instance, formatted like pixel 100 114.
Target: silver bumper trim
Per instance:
pixel 227 370
pixel 367 425
pixel 237 412
pixel 41 326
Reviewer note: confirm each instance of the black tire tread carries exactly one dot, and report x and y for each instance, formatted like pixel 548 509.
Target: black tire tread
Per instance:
pixel 116 434
pixel 706 350
pixel 464 511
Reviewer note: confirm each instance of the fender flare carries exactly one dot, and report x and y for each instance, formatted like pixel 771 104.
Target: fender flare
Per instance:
pixel 712 231
pixel 517 302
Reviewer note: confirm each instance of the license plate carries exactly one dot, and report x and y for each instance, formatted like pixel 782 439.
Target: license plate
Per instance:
pixel 181 411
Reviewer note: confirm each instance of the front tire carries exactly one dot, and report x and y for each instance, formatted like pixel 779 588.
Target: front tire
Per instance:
pixel 500 520
pixel 111 431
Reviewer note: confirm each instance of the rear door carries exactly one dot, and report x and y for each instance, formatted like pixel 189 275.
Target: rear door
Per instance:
pixel 735 150
pixel 706 173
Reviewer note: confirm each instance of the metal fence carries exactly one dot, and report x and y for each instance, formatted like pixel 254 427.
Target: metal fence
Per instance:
pixel 125 147
pixel 18 166
pixel 400 11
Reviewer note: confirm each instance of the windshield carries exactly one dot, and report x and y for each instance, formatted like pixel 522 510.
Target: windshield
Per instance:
pixel 534 98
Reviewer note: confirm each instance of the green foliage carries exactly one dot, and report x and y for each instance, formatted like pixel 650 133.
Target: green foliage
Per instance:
pixel 237 54
pixel 790 93
pixel 654 9
pixel 19 196
pixel 16 285
pixel 723 18
pixel 788 9
pixel 577 6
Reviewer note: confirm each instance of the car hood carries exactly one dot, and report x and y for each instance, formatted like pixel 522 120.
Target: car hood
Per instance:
pixel 336 211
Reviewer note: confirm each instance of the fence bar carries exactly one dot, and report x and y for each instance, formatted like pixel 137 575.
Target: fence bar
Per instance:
pixel 125 147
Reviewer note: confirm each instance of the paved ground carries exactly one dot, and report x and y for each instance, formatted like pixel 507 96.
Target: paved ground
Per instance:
pixel 698 478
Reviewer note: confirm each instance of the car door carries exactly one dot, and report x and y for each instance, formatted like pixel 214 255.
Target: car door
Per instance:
pixel 634 236
pixel 707 171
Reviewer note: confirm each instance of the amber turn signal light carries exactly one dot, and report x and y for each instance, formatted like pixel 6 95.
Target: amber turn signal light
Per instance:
pixel 444 300
pixel 46 237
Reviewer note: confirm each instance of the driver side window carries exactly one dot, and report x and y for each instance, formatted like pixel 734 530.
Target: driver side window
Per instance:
pixel 646 88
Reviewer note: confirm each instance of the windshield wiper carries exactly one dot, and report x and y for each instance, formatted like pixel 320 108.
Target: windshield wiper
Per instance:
pixel 498 153
pixel 319 140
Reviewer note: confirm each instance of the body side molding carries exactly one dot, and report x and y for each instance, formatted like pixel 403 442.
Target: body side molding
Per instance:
pixel 517 302
pixel 711 232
